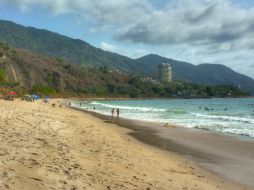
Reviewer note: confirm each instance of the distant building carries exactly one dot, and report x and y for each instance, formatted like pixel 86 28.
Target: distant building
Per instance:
pixel 165 72
pixel 151 80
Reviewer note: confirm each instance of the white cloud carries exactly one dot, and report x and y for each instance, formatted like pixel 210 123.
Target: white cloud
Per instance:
pixel 194 22
pixel 108 47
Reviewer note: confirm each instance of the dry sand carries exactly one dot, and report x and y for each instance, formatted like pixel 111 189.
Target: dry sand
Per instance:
pixel 59 148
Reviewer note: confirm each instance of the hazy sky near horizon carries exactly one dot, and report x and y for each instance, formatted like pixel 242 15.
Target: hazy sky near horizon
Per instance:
pixel 196 31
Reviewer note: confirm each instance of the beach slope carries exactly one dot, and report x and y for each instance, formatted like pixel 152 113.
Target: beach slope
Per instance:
pixel 59 148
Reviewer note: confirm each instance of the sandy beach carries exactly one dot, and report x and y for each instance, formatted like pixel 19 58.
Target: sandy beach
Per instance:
pixel 61 148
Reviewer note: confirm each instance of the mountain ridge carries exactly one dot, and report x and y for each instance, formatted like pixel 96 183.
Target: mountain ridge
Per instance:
pixel 27 72
pixel 79 52
pixel 53 44
pixel 212 74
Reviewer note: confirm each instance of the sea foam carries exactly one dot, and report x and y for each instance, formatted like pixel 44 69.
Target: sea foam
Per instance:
pixel 237 119
pixel 145 109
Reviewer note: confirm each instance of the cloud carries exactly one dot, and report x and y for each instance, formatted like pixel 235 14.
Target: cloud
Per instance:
pixel 56 7
pixel 194 22
pixel 108 47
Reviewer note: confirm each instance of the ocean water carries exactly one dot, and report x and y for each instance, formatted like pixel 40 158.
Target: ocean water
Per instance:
pixel 235 116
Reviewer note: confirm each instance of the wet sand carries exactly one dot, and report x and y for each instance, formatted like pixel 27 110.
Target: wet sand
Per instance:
pixel 231 157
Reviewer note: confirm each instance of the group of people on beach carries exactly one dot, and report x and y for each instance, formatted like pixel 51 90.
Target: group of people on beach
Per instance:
pixel 113 111
pixel 117 112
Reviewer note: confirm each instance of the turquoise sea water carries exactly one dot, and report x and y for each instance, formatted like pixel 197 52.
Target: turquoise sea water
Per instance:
pixel 235 116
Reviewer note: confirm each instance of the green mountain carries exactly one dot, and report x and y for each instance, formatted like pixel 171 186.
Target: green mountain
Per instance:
pixel 212 74
pixel 79 52
pixel 52 44
pixel 27 72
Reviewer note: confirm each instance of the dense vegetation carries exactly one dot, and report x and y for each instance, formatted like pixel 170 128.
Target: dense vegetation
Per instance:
pixel 26 72
pixel 2 74
pixel 81 53
pixel 210 74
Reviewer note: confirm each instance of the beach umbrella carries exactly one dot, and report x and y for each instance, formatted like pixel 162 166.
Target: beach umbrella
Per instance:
pixel 12 93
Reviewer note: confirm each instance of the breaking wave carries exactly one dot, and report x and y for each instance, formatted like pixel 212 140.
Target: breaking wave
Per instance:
pixel 224 129
pixel 226 118
pixel 238 119
pixel 144 109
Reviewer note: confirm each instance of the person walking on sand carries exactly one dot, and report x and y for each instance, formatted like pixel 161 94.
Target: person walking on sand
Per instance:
pixel 118 112
pixel 113 112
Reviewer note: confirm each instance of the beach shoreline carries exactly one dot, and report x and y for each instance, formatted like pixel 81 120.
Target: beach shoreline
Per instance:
pixel 45 147
pixel 215 156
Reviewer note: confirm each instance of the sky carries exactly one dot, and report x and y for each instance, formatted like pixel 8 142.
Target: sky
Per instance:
pixel 195 31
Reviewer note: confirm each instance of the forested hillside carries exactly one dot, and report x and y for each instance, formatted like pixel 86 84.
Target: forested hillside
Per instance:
pixel 26 72
pixel 78 52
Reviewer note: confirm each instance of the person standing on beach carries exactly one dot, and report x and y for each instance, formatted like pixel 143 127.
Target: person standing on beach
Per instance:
pixel 113 112
pixel 118 112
